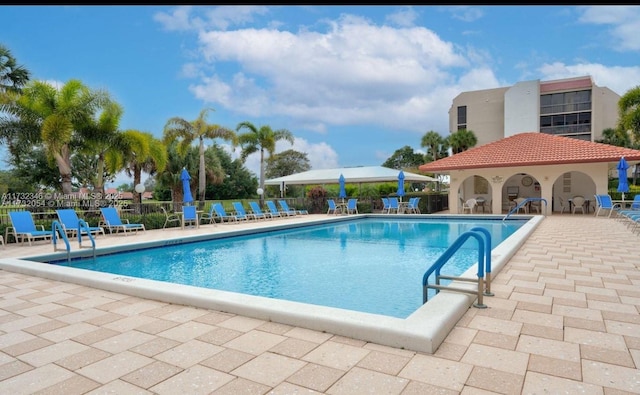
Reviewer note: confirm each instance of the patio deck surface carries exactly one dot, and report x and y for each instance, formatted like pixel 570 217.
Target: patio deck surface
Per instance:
pixel 565 319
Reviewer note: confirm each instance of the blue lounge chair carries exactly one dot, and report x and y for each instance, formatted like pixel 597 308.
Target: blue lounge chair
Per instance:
pixel 352 206
pixel 222 214
pixel 285 207
pixel 23 228
pixel 604 202
pixel 190 216
pixel 71 223
pixel 112 221
pixel 255 208
pixel 275 212
pixel 241 214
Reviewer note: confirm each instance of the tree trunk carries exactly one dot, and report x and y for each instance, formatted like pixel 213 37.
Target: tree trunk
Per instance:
pixel 64 166
pixel 262 176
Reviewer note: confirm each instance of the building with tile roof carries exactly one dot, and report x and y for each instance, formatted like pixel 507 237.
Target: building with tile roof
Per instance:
pixel 571 107
pixel 531 164
pixel 535 139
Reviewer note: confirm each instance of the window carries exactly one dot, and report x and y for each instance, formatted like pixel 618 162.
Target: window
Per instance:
pixel 566 114
pixel 462 117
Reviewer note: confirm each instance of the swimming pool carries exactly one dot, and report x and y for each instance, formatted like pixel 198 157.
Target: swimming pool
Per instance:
pixel 423 330
pixel 380 261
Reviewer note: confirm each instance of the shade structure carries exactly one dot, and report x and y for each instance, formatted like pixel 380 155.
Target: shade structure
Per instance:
pixel 343 192
pixel 400 184
pixel 356 175
pixel 623 183
pixel 186 187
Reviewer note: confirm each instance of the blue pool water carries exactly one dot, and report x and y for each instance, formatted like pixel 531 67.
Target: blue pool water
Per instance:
pixel 370 265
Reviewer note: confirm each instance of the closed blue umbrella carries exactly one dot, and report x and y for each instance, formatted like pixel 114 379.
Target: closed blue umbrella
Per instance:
pixel 186 188
pixel 401 184
pixel 623 183
pixel 343 191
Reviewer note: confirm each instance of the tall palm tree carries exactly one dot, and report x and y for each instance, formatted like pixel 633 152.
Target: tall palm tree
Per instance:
pixel 185 132
pixel 60 115
pixel 433 142
pixel 102 137
pixel 629 108
pixel 141 152
pixel 263 139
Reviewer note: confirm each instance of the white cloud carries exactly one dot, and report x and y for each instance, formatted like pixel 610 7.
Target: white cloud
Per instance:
pixel 624 21
pixel 405 17
pixel 347 75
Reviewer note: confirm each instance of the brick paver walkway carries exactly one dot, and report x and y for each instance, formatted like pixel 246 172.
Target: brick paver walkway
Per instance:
pixel 565 319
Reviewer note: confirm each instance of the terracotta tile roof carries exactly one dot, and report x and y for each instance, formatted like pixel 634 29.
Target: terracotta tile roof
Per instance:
pixel 533 148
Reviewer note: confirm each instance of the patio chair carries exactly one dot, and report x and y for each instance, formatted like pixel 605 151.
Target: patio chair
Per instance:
pixel 209 216
pixel 257 211
pixel 412 207
pixel 24 228
pixel 578 204
pixel 604 202
pixel 385 205
pixel 190 216
pixel 112 221
pixel 285 207
pixel 170 218
pixel 352 206
pixel 563 204
pixel 469 204
pixel 394 205
pixel 241 214
pixel 71 224
pixel 275 212
pixel 332 207
pixel 222 214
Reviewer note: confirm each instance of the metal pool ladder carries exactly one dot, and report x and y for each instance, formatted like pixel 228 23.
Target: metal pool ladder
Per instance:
pixel 58 231
pixel 484 267
pixel 525 201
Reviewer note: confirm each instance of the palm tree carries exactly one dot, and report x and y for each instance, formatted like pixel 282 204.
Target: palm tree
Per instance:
pixel 185 132
pixel 141 152
pixel 12 76
pixel 462 140
pixel 59 115
pixel 263 139
pixel 433 142
pixel 102 139
pixel 629 108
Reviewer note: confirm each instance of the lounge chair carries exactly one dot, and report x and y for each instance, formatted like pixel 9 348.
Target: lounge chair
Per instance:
pixel 604 202
pixel 285 207
pixel 24 228
pixel 275 212
pixel 352 206
pixel 190 216
pixel 241 214
pixel 112 221
pixel 71 223
pixel 170 218
pixel 222 214
pixel 255 208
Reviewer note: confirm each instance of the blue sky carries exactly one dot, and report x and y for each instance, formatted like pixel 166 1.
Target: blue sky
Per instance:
pixel 352 83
